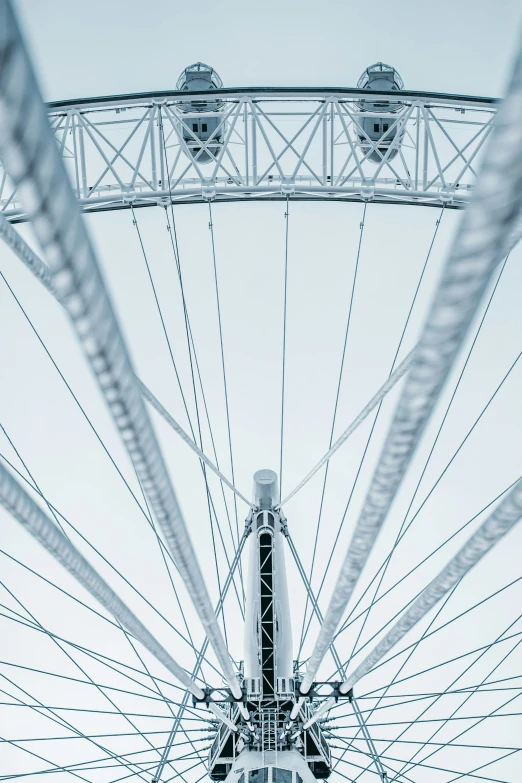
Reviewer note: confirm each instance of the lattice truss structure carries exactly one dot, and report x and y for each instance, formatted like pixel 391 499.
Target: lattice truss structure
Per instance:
pixel 140 150
pixel 268 143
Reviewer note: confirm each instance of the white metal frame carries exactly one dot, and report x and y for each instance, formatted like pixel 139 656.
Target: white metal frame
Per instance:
pixel 275 143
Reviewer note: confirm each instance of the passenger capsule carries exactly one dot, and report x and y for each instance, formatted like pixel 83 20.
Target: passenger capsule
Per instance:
pixel 203 120
pixel 377 121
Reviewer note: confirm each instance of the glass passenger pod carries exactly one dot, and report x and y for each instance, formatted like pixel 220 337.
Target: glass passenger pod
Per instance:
pixel 202 127
pixel 378 121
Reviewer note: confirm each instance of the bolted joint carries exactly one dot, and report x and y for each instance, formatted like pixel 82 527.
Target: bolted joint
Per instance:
pixel 205 699
pixel 241 699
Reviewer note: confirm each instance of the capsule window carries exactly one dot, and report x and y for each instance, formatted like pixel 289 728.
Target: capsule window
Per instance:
pixel 258 775
pixel 385 126
pixel 194 127
pixel 281 775
pixel 376 127
pixel 204 127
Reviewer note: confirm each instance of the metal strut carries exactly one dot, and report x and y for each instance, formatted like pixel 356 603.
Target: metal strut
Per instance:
pixel 32 160
pixel 492 530
pixel 481 243
pixel 394 378
pixel 20 504
pixel 201 656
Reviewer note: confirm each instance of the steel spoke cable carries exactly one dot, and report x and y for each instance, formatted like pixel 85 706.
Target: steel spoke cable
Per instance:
pixel 428 766
pixel 77 768
pixel 438 744
pixel 453 535
pixel 393 379
pixel 197 666
pixel 468 667
pixel 25 510
pixel 74 662
pixel 168 418
pixel 164 552
pixel 432 449
pixel 155 683
pixel 476 769
pixel 388 758
pixel 341 759
pixel 208 496
pixel 469 696
pixel 412 699
pixel 412 651
pixel 340 527
pixel 479 603
pixel 84 766
pixel 55 718
pixel 81 766
pixel 393 376
pixel 310 594
pixel 118 624
pixel 128 777
pixel 348 622
pixel 103 685
pixel 485 648
pixel 57 767
pixel 162 320
pixel 134 734
pixel 73 395
pixel 42 273
pixel 452 715
pixel 453 659
pixel 107 562
pixel 493 529
pixel 332 428
pixel 399 538
pixel 81 669
pixel 364 721
pixel 156 404
pixel 187 770
pixel 408 317
pixel 223 367
pixel 100 440
pixel 64 592
pixel 479 246
pixel 237 560
pixel 55 512
pixel 283 354
pixel 94 654
pixel 193 360
pixel 405 525
pixel 91 711
pixel 453 771
pixel 438 720
pixel 487 764
pixel 33 161
pixel 148 395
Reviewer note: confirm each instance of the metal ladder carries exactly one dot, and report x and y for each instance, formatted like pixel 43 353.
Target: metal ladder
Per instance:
pixel 269 738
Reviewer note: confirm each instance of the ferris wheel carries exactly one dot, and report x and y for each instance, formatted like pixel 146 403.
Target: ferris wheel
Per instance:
pixel 289 635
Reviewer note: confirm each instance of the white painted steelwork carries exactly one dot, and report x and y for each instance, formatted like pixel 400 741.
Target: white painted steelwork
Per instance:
pixel 267 525
pixel 273 142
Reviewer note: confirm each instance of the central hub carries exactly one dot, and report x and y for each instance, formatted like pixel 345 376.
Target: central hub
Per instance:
pixel 261 745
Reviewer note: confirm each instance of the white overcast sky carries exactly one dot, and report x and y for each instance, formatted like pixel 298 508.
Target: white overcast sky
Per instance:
pixel 121 46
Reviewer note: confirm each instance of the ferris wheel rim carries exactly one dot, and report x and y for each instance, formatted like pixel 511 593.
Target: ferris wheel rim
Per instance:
pixel 237 93
pixel 416 764
pixel 252 151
